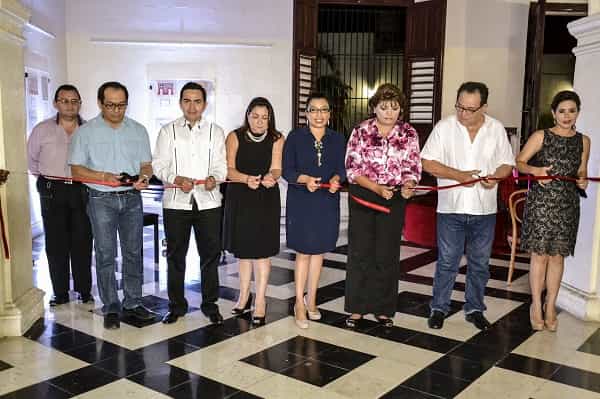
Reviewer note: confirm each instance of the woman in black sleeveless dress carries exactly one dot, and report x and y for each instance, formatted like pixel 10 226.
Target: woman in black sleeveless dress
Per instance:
pixel 551 216
pixel 252 203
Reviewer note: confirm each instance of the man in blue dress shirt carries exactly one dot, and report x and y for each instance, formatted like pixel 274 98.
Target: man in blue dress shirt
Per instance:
pixel 104 149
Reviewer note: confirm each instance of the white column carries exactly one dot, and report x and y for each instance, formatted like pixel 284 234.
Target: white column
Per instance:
pixel 20 303
pixel 580 292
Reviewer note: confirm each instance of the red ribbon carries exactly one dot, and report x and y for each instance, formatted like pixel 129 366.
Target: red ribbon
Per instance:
pixel 4 234
pixel 361 201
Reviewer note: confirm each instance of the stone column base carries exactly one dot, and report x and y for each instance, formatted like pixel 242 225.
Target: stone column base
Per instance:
pixel 583 305
pixel 18 317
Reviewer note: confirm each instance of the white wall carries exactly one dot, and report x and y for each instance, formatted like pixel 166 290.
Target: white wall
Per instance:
pixel 41 51
pixel 486 40
pixel 45 51
pixel 239 73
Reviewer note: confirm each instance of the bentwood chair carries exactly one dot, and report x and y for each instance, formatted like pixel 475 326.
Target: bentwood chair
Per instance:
pixel 516 214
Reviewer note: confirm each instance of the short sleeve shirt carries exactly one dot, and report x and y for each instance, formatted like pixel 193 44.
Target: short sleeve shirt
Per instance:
pixel 100 147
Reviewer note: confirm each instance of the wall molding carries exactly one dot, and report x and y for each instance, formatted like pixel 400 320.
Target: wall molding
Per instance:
pixel 155 43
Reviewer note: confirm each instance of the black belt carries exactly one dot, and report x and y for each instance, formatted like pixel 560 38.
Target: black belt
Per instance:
pixel 124 192
pixel 49 182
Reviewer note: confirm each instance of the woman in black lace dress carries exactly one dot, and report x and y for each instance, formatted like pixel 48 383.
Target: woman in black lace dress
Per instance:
pixel 551 216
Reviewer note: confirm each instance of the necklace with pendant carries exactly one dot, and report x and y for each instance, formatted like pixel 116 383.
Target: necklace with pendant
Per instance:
pixel 319 148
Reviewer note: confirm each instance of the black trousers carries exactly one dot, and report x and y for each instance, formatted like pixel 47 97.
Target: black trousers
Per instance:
pixel 373 267
pixel 68 235
pixel 207 232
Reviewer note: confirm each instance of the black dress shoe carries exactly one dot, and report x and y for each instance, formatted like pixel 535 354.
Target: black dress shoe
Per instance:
pixel 86 298
pixel 141 313
pixel 216 318
pixel 479 320
pixel 58 300
pixel 436 320
pixel 385 321
pixel 111 321
pixel 247 307
pixel 170 318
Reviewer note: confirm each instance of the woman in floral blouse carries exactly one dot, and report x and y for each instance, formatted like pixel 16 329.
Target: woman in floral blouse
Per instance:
pixel 383 166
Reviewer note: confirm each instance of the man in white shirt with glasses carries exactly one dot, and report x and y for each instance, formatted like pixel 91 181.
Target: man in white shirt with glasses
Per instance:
pixel 461 148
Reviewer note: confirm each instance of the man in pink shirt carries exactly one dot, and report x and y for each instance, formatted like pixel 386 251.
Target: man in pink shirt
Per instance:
pixel 66 225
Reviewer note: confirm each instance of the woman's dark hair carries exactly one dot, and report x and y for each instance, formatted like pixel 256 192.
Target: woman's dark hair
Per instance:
pixel 262 102
pixel 317 96
pixel 192 86
pixel 114 86
pixel 66 88
pixel 474 87
pixel 388 92
pixel 565 95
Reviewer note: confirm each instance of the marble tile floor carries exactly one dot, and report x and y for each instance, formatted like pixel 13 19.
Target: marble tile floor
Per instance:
pixel 69 354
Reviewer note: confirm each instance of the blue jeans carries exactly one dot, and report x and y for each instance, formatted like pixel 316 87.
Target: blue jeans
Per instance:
pixel 122 212
pixel 453 232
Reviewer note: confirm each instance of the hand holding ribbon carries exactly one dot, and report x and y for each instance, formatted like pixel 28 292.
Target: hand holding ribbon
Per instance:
pixel 184 183
pixel 313 184
pixel 465 177
pixel 268 181
pixel 141 183
pixel 210 183
pixel 543 171
pixel 334 184
pixel 385 192
pixel 582 182
pixel 407 189
pixel 253 182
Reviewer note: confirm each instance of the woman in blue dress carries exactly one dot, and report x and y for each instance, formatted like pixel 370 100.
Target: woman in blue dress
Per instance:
pixel 312 155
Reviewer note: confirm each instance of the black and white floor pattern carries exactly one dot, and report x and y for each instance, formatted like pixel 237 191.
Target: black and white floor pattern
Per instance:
pixel 70 354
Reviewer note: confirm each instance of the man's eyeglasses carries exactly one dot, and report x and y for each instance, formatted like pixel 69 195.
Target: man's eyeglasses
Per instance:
pixel 65 101
pixel 317 110
pixel 115 107
pixel 468 111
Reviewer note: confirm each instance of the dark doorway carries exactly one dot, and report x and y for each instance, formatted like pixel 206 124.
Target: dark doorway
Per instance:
pixel 358 48
pixel 550 63
pixel 558 64
pixel 347 48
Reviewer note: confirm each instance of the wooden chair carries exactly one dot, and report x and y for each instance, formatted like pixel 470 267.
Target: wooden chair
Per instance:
pixel 514 200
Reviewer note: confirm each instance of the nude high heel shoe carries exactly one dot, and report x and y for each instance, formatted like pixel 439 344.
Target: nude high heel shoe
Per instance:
pixel 535 325
pixel 316 315
pixel 551 325
pixel 303 324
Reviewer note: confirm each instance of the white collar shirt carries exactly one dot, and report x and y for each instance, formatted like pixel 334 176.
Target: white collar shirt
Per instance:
pixel 449 144
pixel 196 152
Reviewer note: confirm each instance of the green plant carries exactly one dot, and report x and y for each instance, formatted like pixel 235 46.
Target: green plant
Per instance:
pixel 332 85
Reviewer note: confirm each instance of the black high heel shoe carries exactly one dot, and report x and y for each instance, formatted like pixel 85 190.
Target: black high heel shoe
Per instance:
pixel 246 308
pixel 259 320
